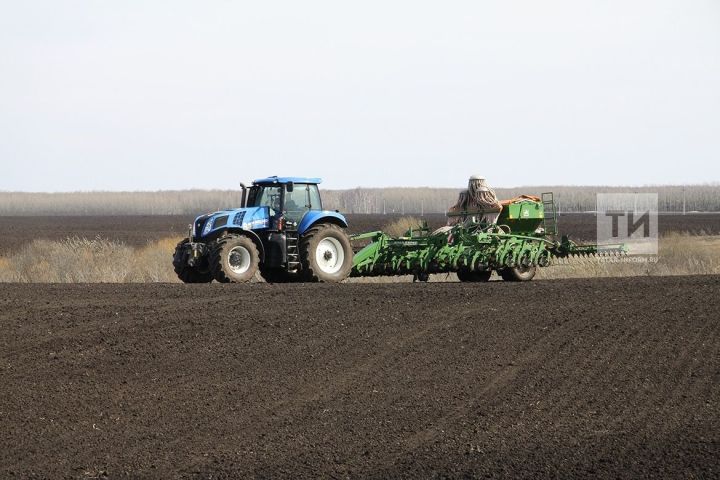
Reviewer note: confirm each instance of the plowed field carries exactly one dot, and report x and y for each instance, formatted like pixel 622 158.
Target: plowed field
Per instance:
pixel 597 378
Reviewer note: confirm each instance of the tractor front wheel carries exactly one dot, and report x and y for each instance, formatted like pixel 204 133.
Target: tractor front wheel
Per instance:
pixel 186 273
pixel 518 274
pixel 326 254
pixel 234 259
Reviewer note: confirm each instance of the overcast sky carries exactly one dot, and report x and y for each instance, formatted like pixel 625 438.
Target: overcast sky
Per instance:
pixel 135 95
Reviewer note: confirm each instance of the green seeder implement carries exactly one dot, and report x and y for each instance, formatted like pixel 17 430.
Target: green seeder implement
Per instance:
pixel 524 238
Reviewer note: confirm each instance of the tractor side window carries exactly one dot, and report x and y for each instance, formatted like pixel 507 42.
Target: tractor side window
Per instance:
pixel 297 202
pixel 315 202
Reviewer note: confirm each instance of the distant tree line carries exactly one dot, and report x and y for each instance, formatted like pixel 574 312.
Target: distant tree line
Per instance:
pixel 703 198
pixel 167 202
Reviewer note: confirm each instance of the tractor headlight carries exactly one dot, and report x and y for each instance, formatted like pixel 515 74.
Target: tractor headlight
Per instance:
pixel 208 226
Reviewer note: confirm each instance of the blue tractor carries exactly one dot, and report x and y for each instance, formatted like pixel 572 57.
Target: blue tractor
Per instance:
pixel 281 230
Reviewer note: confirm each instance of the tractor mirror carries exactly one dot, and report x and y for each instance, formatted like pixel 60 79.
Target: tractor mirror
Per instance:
pixel 290 186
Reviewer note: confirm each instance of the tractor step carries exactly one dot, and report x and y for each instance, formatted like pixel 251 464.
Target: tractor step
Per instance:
pixel 292 250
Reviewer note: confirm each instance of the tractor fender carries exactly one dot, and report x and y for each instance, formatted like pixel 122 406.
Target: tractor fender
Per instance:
pixel 249 233
pixel 321 216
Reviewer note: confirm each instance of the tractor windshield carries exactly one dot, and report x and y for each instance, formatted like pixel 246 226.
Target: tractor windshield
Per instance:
pixel 265 196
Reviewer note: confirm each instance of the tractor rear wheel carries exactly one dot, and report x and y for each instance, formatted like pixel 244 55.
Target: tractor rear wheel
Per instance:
pixel 326 254
pixel 518 274
pixel 185 272
pixel 472 276
pixel 234 259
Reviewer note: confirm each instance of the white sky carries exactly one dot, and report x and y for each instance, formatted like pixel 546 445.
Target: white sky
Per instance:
pixel 135 95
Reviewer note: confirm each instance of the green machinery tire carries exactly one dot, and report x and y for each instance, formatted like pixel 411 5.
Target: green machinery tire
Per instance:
pixel 234 259
pixel 185 272
pixel 421 277
pixel 518 274
pixel 471 276
pixel 326 254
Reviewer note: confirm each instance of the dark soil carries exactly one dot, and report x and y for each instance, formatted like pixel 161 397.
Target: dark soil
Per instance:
pixel 139 230
pixel 132 230
pixel 589 378
pixel 582 226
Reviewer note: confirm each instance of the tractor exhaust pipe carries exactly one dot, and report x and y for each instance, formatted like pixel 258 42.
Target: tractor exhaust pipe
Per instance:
pixel 243 197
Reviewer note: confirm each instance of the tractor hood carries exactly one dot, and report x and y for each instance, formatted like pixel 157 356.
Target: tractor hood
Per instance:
pixel 251 218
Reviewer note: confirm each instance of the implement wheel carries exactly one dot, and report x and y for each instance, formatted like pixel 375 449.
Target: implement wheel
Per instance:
pixel 325 254
pixel 518 274
pixel 186 273
pixel 234 259
pixel 471 276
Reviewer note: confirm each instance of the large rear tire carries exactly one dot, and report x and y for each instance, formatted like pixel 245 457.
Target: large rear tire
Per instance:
pixel 185 272
pixel 518 274
pixel 471 276
pixel 234 259
pixel 326 254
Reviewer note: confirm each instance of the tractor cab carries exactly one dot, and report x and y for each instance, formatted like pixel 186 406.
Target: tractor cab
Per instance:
pixel 289 197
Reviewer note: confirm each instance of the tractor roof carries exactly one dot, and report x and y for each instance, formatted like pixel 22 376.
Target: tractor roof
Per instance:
pixel 283 180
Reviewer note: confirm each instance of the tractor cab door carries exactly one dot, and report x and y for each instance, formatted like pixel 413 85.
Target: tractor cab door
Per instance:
pixel 266 196
pixel 300 198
